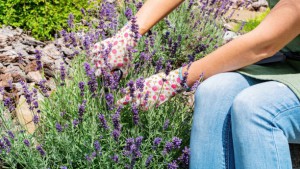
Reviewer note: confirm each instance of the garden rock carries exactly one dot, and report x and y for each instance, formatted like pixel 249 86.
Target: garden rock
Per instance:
pixel 260 3
pixel 35 76
pixel 18 61
pixel 24 115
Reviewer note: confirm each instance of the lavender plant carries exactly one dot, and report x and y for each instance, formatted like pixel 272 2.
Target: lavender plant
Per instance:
pixel 81 126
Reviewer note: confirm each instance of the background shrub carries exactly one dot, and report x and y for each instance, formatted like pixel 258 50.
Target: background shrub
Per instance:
pixel 42 18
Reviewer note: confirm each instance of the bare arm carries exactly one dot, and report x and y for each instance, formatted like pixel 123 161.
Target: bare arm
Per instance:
pixel 153 11
pixel 280 27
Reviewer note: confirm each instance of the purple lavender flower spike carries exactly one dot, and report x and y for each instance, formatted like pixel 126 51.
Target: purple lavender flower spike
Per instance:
pixel 115 158
pixel 36 119
pixel 103 121
pixel 168 147
pixel 116 121
pixel 2 145
pixel 166 124
pixel 63 167
pixel 135 29
pixel 11 134
pixel 81 87
pixel 173 165
pixel 81 110
pixel 71 21
pixel 131 88
pixel 38 56
pixel 109 100
pixel 168 67
pixel 97 146
pixel 148 161
pixel 41 150
pixel 26 142
pixel 116 134
pixel 82 11
pixel 135 113
pixel 43 88
pixel 156 142
pixel 184 157
pixel 58 127
pixel 9 104
pixel 158 66
pixel 176 142
pixel 7 142
pixel 62 73
pixel 138 141
pixel 140 84
pixel 75 122
pixel 139 5
pixel 92 83
pixel 128 13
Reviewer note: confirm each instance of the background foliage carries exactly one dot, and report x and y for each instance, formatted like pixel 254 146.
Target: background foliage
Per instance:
pixel 42 18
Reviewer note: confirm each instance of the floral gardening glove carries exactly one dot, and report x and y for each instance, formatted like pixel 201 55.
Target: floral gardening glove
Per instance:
pixel 156 89
pixel 111 54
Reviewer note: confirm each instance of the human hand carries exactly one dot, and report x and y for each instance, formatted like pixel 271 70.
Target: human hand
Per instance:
pixel 111 54
pixel 154 90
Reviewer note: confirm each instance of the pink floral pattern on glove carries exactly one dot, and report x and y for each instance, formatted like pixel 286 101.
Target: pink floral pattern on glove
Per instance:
pixel 111 54
pixel 156 90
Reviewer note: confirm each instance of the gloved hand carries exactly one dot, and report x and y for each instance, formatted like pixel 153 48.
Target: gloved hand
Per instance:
pixel 111 54
pixel 154 90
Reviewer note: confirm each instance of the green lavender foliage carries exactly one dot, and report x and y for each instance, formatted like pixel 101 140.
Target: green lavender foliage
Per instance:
pixel 71 146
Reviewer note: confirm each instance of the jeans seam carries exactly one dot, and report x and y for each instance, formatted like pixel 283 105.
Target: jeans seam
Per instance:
pixel 277 161
pixel 274 123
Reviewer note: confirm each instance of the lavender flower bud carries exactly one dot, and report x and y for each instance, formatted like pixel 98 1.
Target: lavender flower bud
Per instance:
pixel 168 147
pixel 176 142
pixel 140 84
pixel 36 119
pixel 115 158
pixel 135 113
pixel 166 124
pixel 11 134
pixel 62 73
pixel 109 100
pixel 75 122
pixel 128 13
pixel 148 161
pixel 58 127
pixel 26 142
pixel 156 142
pixel 173 165
pixel 184 157
pixel 139 5
pixel 116 134
pixel 38 59
pixel 81 87
pixel 7 142
pixel 103 121
pixel 97 146
pixel 70 21
pixel 41 150
pixel 131 88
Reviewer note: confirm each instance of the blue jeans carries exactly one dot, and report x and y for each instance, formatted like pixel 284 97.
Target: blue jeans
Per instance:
pixel 243 123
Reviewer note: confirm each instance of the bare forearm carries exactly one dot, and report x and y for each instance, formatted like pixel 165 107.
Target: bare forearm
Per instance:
pixel 153 11
pixel 280 27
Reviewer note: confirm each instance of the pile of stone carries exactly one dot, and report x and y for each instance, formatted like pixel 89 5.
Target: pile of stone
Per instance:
pixel 18 60
pixel 252 5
